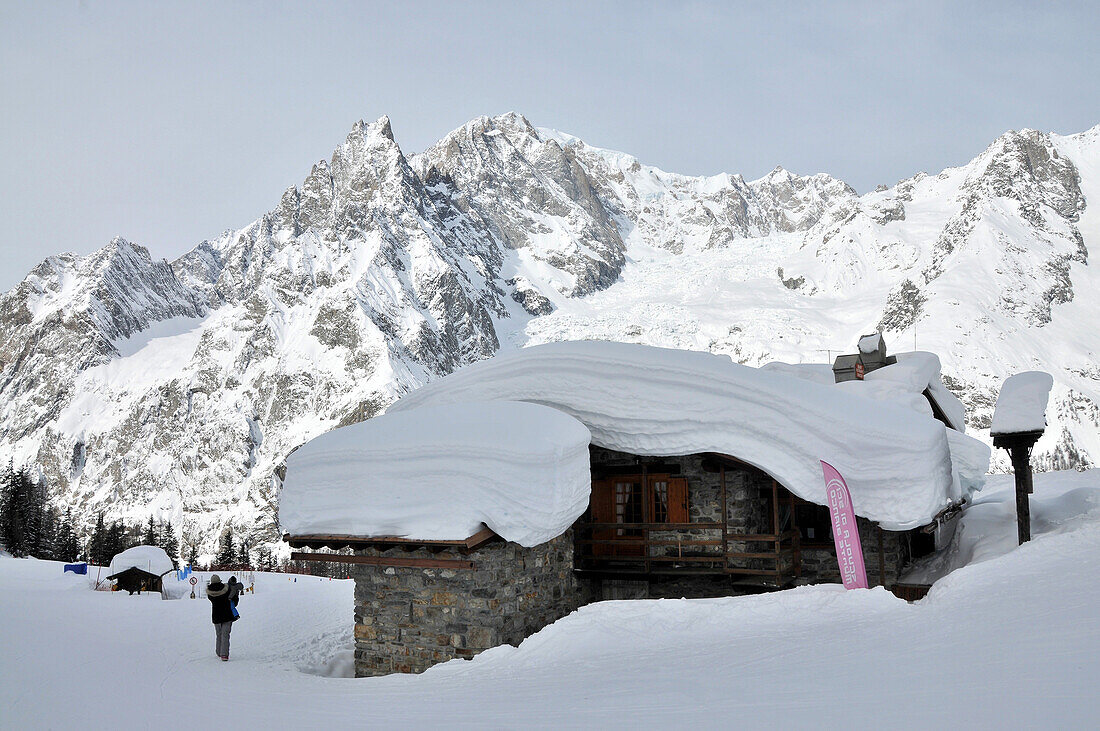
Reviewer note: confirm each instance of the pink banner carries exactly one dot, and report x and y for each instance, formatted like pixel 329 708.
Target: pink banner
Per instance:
pixel 849 552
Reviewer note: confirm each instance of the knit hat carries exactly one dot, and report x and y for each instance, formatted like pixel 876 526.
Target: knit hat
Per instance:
pixel 215 579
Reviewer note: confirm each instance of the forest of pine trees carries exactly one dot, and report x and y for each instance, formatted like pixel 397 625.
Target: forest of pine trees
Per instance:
pixel 30 527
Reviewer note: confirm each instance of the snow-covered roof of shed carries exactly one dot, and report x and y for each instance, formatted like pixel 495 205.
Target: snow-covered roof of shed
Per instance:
pixel 1022 404
pixel 871 343
pixel 661 402
pixel 151 559
pixel 439 472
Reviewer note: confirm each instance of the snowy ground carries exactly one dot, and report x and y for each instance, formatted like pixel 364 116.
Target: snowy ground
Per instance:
pixel 1009 638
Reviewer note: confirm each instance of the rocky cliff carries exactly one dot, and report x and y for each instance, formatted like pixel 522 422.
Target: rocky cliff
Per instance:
pixel 177 388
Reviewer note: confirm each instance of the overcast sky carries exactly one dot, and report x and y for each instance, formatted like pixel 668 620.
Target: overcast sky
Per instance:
pixel 167 123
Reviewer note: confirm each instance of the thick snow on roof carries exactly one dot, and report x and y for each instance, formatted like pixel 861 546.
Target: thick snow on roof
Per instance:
pixel 817 372
pixel 147 558
pixel 1022 403
pixel 655 401
pixel 919 371
pixel 902 383
pixel 438 473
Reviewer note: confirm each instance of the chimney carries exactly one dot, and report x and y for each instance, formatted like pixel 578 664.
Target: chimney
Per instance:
pixel 872 351
pixel 871 356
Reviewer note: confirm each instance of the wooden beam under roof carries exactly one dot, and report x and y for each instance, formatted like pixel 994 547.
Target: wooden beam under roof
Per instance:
pixel 318 540
pixel 413 563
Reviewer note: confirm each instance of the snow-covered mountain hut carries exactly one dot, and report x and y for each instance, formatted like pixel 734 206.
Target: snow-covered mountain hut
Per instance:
pixel 460 516
pixel 141 568
pixel 498 498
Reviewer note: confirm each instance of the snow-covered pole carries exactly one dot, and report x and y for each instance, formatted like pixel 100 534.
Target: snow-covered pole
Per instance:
pixel 1018 421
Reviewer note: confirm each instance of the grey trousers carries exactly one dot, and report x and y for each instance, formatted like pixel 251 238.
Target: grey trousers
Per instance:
pixel 222 631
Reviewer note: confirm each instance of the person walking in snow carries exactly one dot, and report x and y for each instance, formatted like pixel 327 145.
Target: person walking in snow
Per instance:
pixel 223 613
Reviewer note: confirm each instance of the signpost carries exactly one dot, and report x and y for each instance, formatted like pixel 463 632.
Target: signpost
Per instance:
pixel 849 551
pixel 1019 419
pixel 194 580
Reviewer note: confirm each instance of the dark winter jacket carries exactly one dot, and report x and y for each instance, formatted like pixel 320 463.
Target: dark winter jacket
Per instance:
pixel 220 608
pixel 235 589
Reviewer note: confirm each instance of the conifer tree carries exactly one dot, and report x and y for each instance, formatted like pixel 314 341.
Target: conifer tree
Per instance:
pixel 48 534
pixel 21 514
pixel 264 560
pixel 168 541
pixel 34 514
pixel 96 545
pixel 244 561
pixel 150 536
pixel 227 555
pixel 118 540
pixel 66 545
pixel 10 532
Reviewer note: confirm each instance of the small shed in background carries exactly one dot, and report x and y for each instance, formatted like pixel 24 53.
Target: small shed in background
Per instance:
pixel 141 568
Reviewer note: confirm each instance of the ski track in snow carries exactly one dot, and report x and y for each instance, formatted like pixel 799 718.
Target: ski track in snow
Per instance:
pixel 1007 641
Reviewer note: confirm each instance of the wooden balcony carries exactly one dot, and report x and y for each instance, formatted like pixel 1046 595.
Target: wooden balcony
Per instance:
pixel 685 548
pixel 620 549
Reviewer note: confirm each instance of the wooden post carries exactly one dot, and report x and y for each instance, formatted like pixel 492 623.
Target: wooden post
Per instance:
pixel 775 531
pixel 797 547
pixel 725 521
pixel 1021 467
pixel 881 560
pixel 647 513
pixel 1019 450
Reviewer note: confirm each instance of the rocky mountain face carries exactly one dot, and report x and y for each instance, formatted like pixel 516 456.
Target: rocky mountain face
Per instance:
pixel 177 388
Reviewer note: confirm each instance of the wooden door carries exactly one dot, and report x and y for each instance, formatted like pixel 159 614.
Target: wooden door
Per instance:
pixel 629 501
pixel 602 511
pixel 617 500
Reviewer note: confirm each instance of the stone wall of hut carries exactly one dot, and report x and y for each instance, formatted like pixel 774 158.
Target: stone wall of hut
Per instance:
pixel 819 564
pixel 409 618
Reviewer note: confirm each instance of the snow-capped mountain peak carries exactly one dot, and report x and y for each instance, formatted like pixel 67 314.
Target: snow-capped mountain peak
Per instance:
pixel 177 389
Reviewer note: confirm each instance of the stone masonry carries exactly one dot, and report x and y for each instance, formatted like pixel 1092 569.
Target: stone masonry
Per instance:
pixel 408 619
pixel 819 563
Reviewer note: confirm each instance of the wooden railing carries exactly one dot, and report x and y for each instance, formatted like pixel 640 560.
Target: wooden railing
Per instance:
pixel 648 548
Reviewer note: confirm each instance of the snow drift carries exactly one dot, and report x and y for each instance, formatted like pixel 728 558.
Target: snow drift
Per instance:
pixel 656 401
pixel 440 472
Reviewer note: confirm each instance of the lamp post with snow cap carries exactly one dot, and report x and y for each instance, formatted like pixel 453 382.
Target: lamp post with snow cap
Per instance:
pixel 1018 421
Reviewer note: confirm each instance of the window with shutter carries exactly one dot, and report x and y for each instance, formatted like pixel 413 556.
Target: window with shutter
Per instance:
pixel 678 501
pixel 632 499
